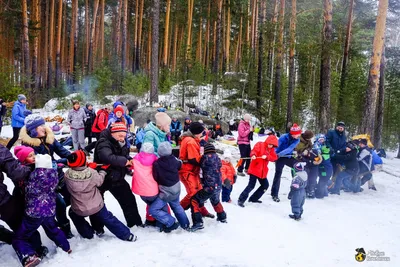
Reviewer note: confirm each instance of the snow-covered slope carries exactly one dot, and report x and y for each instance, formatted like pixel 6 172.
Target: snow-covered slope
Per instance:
pixel 257 235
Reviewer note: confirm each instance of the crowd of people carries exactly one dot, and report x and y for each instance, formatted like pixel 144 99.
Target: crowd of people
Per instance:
pixel 48 178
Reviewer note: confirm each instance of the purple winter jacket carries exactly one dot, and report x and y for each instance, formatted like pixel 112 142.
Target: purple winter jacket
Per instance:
pixel 243 133
pixel 40 193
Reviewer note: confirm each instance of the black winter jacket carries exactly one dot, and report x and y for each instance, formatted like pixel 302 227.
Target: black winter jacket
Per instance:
pixel 350 161
pixel 165 170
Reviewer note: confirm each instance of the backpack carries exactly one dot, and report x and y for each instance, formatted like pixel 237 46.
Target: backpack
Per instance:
pixel 96 120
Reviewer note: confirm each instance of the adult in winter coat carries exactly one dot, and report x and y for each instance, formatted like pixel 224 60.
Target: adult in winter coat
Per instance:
pixel 157 132
pixel 18 114
pixel 349 158
pixel 336 141
pixel 90 117
pixel 286 145
pixel 12 207
pixel 3 111
pixel 261 155
pixel 325 169
pixel 100 123
pixel 244 135
pixel 40 137
pixel 165 172
pixel 77 119
pixel 210 165
pixel 111 149
pixel 175 129
pixel 86 200
pixel 189 174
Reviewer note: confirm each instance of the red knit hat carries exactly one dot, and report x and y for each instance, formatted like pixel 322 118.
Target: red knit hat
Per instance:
pixel 77 159
pixel 118 127
pixel 295 129
pixel 119 108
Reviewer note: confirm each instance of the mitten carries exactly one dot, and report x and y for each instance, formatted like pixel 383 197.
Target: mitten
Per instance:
pixel 227 184
pixel 105 167
pixel 92 165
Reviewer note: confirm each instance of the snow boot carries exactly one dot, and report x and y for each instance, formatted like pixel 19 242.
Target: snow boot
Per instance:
pixel 196 227
pixel 209 215
pixel 241 204
pixel 132 238
pixel 31 261
pixel 255 201
pixel 311 195
pixel 294 217
pixel 66 228
pixel 99 233
pixel 276 199
pixel 221 217
pixel 42 252
pixel 241 174
pixel 373 188
pixel 150 223
pixel 173 227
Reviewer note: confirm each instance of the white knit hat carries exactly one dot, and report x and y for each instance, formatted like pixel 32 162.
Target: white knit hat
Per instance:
pixel 43 161
pixel 147 148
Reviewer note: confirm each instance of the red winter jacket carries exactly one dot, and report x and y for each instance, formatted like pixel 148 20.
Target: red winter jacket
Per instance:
pixel 259 167
pixel 101 121
pixel 227 171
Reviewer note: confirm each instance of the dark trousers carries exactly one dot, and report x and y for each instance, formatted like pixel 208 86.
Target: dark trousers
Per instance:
pixel 366 178
pixel 6 235
pixel 244 153
pixel 280 164
pixel 14 138
pixel 226 194
pixel 11 213
pixel 123 194
pixel 325 173
pixel 200 198
pixel 312 173
pixel 297 201
pixel 62 202
pixel 91 145
pixel 29 226
pixel 258 193
pixel 175 137
pixel 104 217
pixel 158 209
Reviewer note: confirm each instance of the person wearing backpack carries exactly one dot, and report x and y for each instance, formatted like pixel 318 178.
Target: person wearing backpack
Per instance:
pixel 100 123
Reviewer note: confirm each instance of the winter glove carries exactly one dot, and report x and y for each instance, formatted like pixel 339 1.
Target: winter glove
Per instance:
pixel 27 113
pixel 317 160
pixel 92 165
pixel 227 184
pixel 295 154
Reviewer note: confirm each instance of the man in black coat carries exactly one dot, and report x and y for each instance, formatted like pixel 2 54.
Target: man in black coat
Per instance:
pixel 91 116
pixel 112 151
pixel 336 140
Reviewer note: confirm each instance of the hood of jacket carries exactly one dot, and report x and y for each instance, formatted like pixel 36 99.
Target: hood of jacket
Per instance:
pixel 81 173
pixel 146 159
pixel 26 139
pixel 272 140
pixel 151 127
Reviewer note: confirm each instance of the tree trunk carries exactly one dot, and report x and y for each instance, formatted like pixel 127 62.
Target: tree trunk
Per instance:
pixel 118 28
pixel 25 34
pixel 46 46
pixel 175 49
pixel 91 38
pixel 239 46
pixel 207 38
pixel 292 70
pixel 166 34
pixel 368 119
pixel 217 44
pixel 139 38
pixel 102 31
pixel 325 80
pixel 87 32
pixel 135 38
pixel 154 53
pixel 271 50
pixel 228 35
pixel 51 46
pixel 340 113
pixel 124 34
pixel 199 41
pixel 398 151
pixel 381 103
pixel 36 33
pixel 189 36
pixel 58 44
pixel 279 59
pixel 260 55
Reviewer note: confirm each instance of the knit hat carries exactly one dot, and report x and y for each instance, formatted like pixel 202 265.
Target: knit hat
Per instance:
pixel 341 124
pixel 295 129
pixel 307 135
pixel 162 119
pixel 174 117
pixel 320 136
pixel 118 127
pixel 196 128
pixel 76 159
pixel 32 122
pixel 364 141
pixel 147 148
pixel 164 149
pixel 43 161
pixel 22 152
pixel 88 105
pixel 209 148
pixel 119 108
pixel 118 103
pixel 21 97
pixel 299 166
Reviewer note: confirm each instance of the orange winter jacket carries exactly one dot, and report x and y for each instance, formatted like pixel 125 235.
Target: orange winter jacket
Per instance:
pixel 190 150
pixel 227 171
pixel 259 167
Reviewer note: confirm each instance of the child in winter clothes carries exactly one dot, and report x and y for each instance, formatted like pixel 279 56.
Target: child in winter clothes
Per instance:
pixel 77 119
pixel 325 169
pixel 229 177
pixel 365 159
pixel 261 155
pixel 86 200
pixel 165 172
pixel 298 190
pixel 211 166
pixel 40 209
pixel 144 185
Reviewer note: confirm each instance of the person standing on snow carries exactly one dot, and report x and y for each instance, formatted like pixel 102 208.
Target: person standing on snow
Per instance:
pixel 229 177
pixel 245 132
pixel 325 169
pixel 90 115
pixel 298 191
pixel 286 145
pixel 336 140
pixel 261 155
pixel 18 114
pixel 77 119
pixel 3 111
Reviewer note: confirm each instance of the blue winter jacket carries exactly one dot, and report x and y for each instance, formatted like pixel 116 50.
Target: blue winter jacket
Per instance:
pixel 286 145
pixel 17 115
pixel 211 166
pixel 336 140
pixel 176 127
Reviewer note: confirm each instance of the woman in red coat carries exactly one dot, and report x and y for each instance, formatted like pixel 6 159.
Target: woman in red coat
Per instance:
pixel 261 155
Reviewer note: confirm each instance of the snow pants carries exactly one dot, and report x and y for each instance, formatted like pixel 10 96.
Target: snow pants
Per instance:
pixel 29 226
pixel 158 209
pixel 244 153
pixel 297 201
pixel 280 164
pixel 342 177
pixel 78 138
pixel 226 194
pixel 103 216
pixel 200 198
pixel 258 193
pixel 6 235
pixel 312 172
pixel 325 173
pixel 192 186
pixel 179 213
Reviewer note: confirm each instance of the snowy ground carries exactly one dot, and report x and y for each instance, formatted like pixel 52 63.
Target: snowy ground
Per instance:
pixel 257 235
